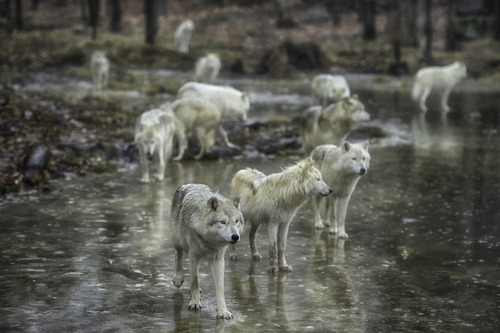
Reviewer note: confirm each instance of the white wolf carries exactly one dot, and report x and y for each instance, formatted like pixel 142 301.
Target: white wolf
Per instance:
pixel 99 66
pixel 154 135
pixel 341 168
pixel 203 224
pixel 274 200
pixel 439 79
pixel 182 36
pixel 332 124
pixel 327 89
pixel 200 118
pixel 207 68
pixel 232 103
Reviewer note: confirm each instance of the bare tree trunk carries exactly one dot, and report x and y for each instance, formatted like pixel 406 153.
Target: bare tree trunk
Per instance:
pixel 115 15
pixel 151 10
pixel 409 14
pixel 496 34
pixel 94 9
pixel 427 55
pixel 450 41
pixel 83 11
pixel 19 15
pixel 368 16
pixel 284 19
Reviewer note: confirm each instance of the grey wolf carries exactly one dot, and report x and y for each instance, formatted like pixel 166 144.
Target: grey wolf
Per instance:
pixel 341 168
pixel 274 200
pixel 327 89
pixel 232 103
pixel 200 118
pixel 207 68
pixel 439 79
pixel 182 36
pixel 203 223
pixel 154 136
pixel 99 66
pixel 332 124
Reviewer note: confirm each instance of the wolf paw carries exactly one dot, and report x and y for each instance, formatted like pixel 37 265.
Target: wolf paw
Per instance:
pixel 178 281
pixel 319 225
pixel 145 179
pixel 343 235
pixel 256 257
pixel 272 269
pixel 224 315
pixel 286 268
pixel 194 306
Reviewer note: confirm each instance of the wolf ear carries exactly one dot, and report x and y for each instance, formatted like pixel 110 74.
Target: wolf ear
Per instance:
pixel 346 147
pixel 213 203
pixel 365 145
pixel 236 202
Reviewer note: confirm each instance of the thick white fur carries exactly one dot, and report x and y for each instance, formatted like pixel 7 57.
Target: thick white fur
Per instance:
pixel 203 223
pixel 99 66
pixel 439 79
pixel 341 168
pixel 327 89
pixel 154 135
pixel 207 68
pixel 182 36
pixel 232 103
pixel 274 200
pixel 332 124
pixel 200 118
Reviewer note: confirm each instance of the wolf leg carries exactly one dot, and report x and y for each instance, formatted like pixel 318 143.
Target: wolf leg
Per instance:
pixel 318 224
pixel 253 242
pixel 218 274
pixel 423 99
pixel 160 163
pixel 144 165
pixel 282 237
pixel 223 132
pixel 201 140
pixel 329 206
pixel 194 267
pixel 444 100
pixel 178 279
pixel 341 212
pixel 272 229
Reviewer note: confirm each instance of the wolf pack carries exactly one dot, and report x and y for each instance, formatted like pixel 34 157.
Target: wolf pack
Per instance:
pixel 204 222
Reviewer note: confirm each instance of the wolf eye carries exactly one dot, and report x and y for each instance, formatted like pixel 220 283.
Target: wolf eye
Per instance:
pixel 354 158
pixel 222 222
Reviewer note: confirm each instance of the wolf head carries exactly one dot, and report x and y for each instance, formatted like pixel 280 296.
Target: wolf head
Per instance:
pixel 149 139
pixel 355 157
pixel 311 178
pixel 354 109
pixel 225 220
pixel 460 69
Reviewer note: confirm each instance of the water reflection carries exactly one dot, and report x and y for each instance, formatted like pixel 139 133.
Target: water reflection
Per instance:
pixel 95 254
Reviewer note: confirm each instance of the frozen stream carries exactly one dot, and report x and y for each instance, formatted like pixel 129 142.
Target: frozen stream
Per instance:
pixel 95 254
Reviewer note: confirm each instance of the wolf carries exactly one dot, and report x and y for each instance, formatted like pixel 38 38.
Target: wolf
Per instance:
pixel 274 200
pixel 200 118
pixel 207 68
pixel 332 124
pixel 154 136
pixel 327 89
pixel 341 168
pixel 182 36
pixel 232 103
pixel 439 79
pixel 203 223
pixel 99 66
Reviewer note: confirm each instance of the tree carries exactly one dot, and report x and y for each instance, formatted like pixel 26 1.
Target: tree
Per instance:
pixel 19 15
pixel 450 41
pixel 409 14
pixel 496 34
pixel 368 16
pixel 115 15
pixel 427 55
pixel 151 10
pixel 94 9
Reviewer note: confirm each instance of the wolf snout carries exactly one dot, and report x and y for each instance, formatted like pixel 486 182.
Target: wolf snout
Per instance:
pixel 328 192
pixel 235 237
pixel 362 171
